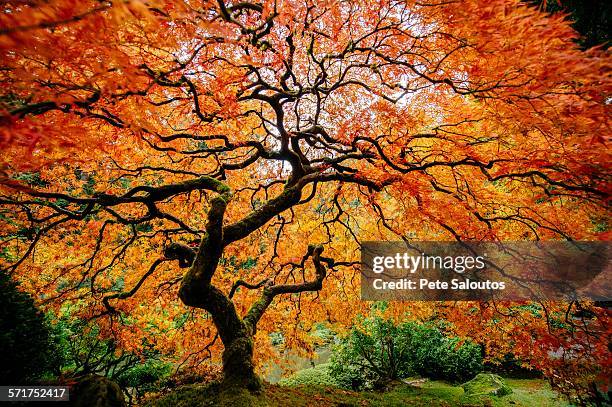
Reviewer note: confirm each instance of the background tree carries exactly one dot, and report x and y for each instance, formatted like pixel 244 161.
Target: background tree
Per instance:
pixel 255 145
pixel 26 345
pixel 377 351
pixel 590 18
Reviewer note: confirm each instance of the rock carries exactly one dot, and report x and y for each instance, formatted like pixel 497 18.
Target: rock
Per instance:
pixel 96 391
pixel 486 384
pixel 418 382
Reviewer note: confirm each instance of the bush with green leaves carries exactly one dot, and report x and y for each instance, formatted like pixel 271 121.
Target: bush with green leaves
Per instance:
pixel 83 351
pixel 379 352
pixel 315 376
pixel 437 356
pixel 372 355
pixel 145 377
pixel 26 348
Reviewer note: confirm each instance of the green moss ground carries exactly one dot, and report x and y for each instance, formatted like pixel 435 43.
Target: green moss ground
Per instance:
pixel 525 392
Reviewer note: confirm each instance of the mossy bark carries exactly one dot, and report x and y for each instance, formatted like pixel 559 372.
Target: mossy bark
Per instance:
pixel 235 332
pixel 197 290
pixel 238 366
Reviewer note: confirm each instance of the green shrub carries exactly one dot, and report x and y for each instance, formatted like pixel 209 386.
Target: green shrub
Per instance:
pixel 381 351
pixel 145 375
pixel 371 356
pixel 317 376
pixel 82 351
pixel 26 349
pixel 512 367
pixel 350 376
pixel 437 356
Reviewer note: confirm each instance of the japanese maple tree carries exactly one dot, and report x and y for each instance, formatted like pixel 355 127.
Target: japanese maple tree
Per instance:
pixel 165 157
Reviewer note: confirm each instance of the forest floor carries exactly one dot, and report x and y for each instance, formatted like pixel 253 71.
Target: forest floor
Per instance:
pixel 526 392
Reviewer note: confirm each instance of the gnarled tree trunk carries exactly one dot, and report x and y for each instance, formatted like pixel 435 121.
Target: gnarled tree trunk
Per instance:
pixel 196 289
pixel 237 338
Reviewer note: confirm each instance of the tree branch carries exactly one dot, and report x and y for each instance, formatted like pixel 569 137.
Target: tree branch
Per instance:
pixel 270 290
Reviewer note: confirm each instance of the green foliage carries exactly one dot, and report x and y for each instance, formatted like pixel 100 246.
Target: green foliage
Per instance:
pixel 81 351
pixel 315 376
pixel 600 225
pixel 437 356
pixel 249 263
pixel 510 366
pixel 6 253
pixel 371 356
pixel 380 352
pixel 276 338
pixel 590 18
pixel 351 376
pixel 324 334
pixel 144 227
pixel 31 178
pixel 26 347
pixel 145 377
pixel 233 261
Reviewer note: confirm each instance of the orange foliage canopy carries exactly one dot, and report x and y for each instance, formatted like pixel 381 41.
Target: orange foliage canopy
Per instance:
pixel 472 120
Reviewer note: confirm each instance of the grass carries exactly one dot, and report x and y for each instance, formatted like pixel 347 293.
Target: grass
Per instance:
pixel 534 393
pixel 526 392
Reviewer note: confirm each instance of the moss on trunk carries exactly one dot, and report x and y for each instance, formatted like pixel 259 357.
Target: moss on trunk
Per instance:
pixel 238 367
